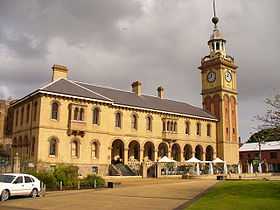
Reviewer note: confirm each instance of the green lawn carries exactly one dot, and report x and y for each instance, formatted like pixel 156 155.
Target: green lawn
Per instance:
pixel 241 195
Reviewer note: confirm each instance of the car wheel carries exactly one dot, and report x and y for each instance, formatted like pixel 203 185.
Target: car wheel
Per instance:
pixel 5 195
pixel 34 193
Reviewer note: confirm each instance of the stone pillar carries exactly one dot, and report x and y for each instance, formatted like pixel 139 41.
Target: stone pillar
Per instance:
pixel 16 164
pixel 169 153
pixel 203 156
pixel 125 156
pixel 158 170
pixel 182 157
pixel 141 155
pixel 156 155
pixel 214 155
pixel 144 169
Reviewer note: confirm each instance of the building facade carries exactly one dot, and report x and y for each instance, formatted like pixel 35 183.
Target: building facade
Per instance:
pixel 5 131
pixel 270 156
pixel 97 127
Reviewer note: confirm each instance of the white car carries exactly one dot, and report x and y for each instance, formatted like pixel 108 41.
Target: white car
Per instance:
pixel 18 184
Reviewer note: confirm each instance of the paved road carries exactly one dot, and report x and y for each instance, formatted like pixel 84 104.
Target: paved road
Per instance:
pixel 164 194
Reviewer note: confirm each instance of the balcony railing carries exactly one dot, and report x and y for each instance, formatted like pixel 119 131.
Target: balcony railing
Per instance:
pixel 169 135
pixel 76 127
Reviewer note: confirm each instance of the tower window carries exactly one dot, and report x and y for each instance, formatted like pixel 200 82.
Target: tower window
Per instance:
pixel 217 46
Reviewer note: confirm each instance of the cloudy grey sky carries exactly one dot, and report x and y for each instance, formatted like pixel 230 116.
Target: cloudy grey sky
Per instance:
pixel 160 42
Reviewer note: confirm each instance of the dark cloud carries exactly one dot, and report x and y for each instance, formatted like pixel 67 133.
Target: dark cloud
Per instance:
pixel 160 42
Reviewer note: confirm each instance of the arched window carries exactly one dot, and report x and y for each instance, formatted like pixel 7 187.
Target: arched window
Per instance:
pixel 35 111
pixel 171 126
pixel 53 147
pixel 163 126
pixel 27 113
pixel 94 150
pixel 208 130
pixel 175 127
pixel 55 111
pixel 76 113
pixel 82 114
pixel 168 126
pixel 187 128
pixel 21 115
pixel 149 123
pixel 198 129
pixel 75 148
pixel 33 147
pixel 118 120
pixel 17 117
pixel 95 117
pixel 134 121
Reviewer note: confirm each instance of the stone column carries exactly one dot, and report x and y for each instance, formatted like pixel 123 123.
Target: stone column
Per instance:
pixel 125 156
pixel 141 155
pixel 214 155
pixel 169 153
pixel 144 169
pixel 182 156
pixel 158 170
pixel 156 155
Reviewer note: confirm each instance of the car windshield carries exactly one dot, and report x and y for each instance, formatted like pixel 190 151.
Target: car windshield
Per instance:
pixel 6 178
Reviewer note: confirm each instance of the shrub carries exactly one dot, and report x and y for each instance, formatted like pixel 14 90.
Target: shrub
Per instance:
pixel 68 174
pixel 90 179
pixel 47 177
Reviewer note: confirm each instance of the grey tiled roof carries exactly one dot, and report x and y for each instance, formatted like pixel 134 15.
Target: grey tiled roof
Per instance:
pixel 120 97
pixel 67 87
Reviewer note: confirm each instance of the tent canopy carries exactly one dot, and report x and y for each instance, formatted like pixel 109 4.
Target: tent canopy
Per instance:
pixel 165 159
pixel 218 160
pixel 193 160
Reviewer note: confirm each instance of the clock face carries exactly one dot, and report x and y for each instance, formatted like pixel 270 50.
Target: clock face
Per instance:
pixel 228 76
pixel 211 76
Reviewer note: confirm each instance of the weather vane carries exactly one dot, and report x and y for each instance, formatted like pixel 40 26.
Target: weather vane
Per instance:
pixel 215 19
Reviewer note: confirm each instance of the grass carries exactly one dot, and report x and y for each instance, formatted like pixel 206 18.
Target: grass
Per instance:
pixel 240 195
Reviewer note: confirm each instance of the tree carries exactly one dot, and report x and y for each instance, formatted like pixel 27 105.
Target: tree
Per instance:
pixel 270 128
pixel 271 119
pixel 269 134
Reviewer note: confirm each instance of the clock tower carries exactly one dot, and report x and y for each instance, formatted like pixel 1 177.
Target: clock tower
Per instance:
pixel 219 94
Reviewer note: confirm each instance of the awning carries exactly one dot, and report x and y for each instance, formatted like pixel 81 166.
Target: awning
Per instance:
pixel 193 160
pixel 218 160
pixel 165 159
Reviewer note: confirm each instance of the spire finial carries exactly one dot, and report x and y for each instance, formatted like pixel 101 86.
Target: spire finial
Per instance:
pixel 215 19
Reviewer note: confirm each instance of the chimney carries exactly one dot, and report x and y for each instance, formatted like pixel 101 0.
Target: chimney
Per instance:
pixel 160 91
pixel 59 72
pixel 136 88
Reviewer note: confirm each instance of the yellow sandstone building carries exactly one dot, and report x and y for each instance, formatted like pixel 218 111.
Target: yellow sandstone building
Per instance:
pixel 102 129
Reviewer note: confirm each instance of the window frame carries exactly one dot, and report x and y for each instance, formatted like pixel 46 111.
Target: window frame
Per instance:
pixel 96 115
pixel 198 129
pixel 55 111
pixel 118 120
pixel 53 141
